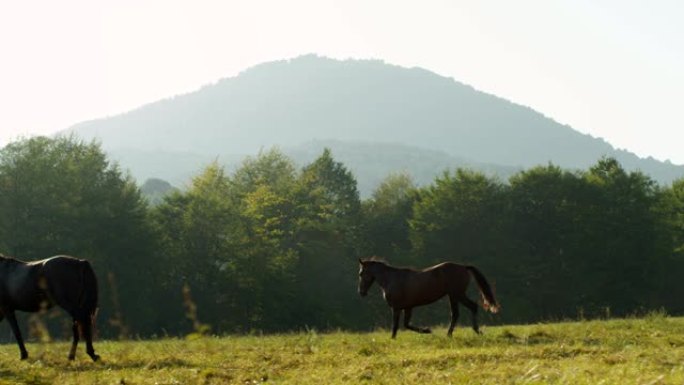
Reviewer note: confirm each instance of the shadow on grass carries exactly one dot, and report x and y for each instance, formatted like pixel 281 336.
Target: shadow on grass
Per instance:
pixel 124 364
pixel 536 338
pixel 8 376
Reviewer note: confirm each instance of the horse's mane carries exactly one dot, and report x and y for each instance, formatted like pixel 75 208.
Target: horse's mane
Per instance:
pixel 377 260
pixel 383 261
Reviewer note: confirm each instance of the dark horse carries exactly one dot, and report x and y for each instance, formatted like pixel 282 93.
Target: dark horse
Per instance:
pixel 67 282
pixel 405 289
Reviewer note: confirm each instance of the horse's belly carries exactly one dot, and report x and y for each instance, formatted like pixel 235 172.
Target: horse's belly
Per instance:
pixel 426 300
pixel 30 308
pixel 414 299
pixel 29 298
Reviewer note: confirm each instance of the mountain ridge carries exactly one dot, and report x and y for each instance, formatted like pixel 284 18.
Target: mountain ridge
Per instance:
pixel 289 102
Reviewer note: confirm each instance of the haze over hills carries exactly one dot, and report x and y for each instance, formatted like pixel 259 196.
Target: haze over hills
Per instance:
pixel 372 115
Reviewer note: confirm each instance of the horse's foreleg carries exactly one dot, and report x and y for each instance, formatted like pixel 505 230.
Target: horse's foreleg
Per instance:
pixel 454 314
pixel 472 306
pixel 396 313
pixel 407 322
pixel 12 319
pixel 74 343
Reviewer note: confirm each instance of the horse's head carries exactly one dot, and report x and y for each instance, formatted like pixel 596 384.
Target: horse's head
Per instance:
pixel 366 276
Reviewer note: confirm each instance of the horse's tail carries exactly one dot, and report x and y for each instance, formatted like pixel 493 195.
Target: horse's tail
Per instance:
pixel 88 299
pixel 489 302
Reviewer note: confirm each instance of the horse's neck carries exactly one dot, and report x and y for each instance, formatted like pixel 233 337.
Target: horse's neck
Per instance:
pixel 384 277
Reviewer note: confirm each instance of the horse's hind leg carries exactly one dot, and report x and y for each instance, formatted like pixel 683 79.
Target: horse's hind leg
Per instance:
pixel 12 319
pixel 87 326
pixel 74 343
pixel 454 314
pixel 472 306
pixel 407 322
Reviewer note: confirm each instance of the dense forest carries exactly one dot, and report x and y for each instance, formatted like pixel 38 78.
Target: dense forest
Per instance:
pixel 271 247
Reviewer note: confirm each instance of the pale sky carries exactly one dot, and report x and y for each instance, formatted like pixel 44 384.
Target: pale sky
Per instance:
pixel 610 68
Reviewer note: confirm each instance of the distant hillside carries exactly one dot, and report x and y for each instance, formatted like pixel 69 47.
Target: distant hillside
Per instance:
pixel 154 190
pixel 290 103
pixel 370 162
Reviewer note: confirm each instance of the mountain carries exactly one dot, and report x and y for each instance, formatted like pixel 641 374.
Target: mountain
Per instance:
pixel 154 190
pixel 411 112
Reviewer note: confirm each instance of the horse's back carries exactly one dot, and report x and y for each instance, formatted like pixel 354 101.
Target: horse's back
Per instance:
pixel 453 276
pixel 59 260
pixel 447 268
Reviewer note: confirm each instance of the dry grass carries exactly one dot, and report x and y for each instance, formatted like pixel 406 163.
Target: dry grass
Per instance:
pixel 634 351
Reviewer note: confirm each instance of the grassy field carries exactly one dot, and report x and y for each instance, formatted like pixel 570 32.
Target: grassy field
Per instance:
pixel 647 350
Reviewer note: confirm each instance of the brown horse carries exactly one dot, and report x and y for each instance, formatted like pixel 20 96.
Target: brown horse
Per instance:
pixel 67 282
pixel 404 289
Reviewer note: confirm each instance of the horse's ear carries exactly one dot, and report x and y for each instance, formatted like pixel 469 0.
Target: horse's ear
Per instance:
pixel 360 261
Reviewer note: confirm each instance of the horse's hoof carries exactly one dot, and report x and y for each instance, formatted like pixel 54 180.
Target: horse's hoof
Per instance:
pixel 95 357
pixel 24 356
pixel 71 357
pixel 426 331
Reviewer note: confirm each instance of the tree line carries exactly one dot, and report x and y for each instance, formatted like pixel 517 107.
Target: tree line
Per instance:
pixel 272 247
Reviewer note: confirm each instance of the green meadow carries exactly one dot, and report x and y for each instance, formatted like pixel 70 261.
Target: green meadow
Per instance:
pixel 647 350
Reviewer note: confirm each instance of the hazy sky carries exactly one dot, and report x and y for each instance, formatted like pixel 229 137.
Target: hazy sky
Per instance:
pixel 614 69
